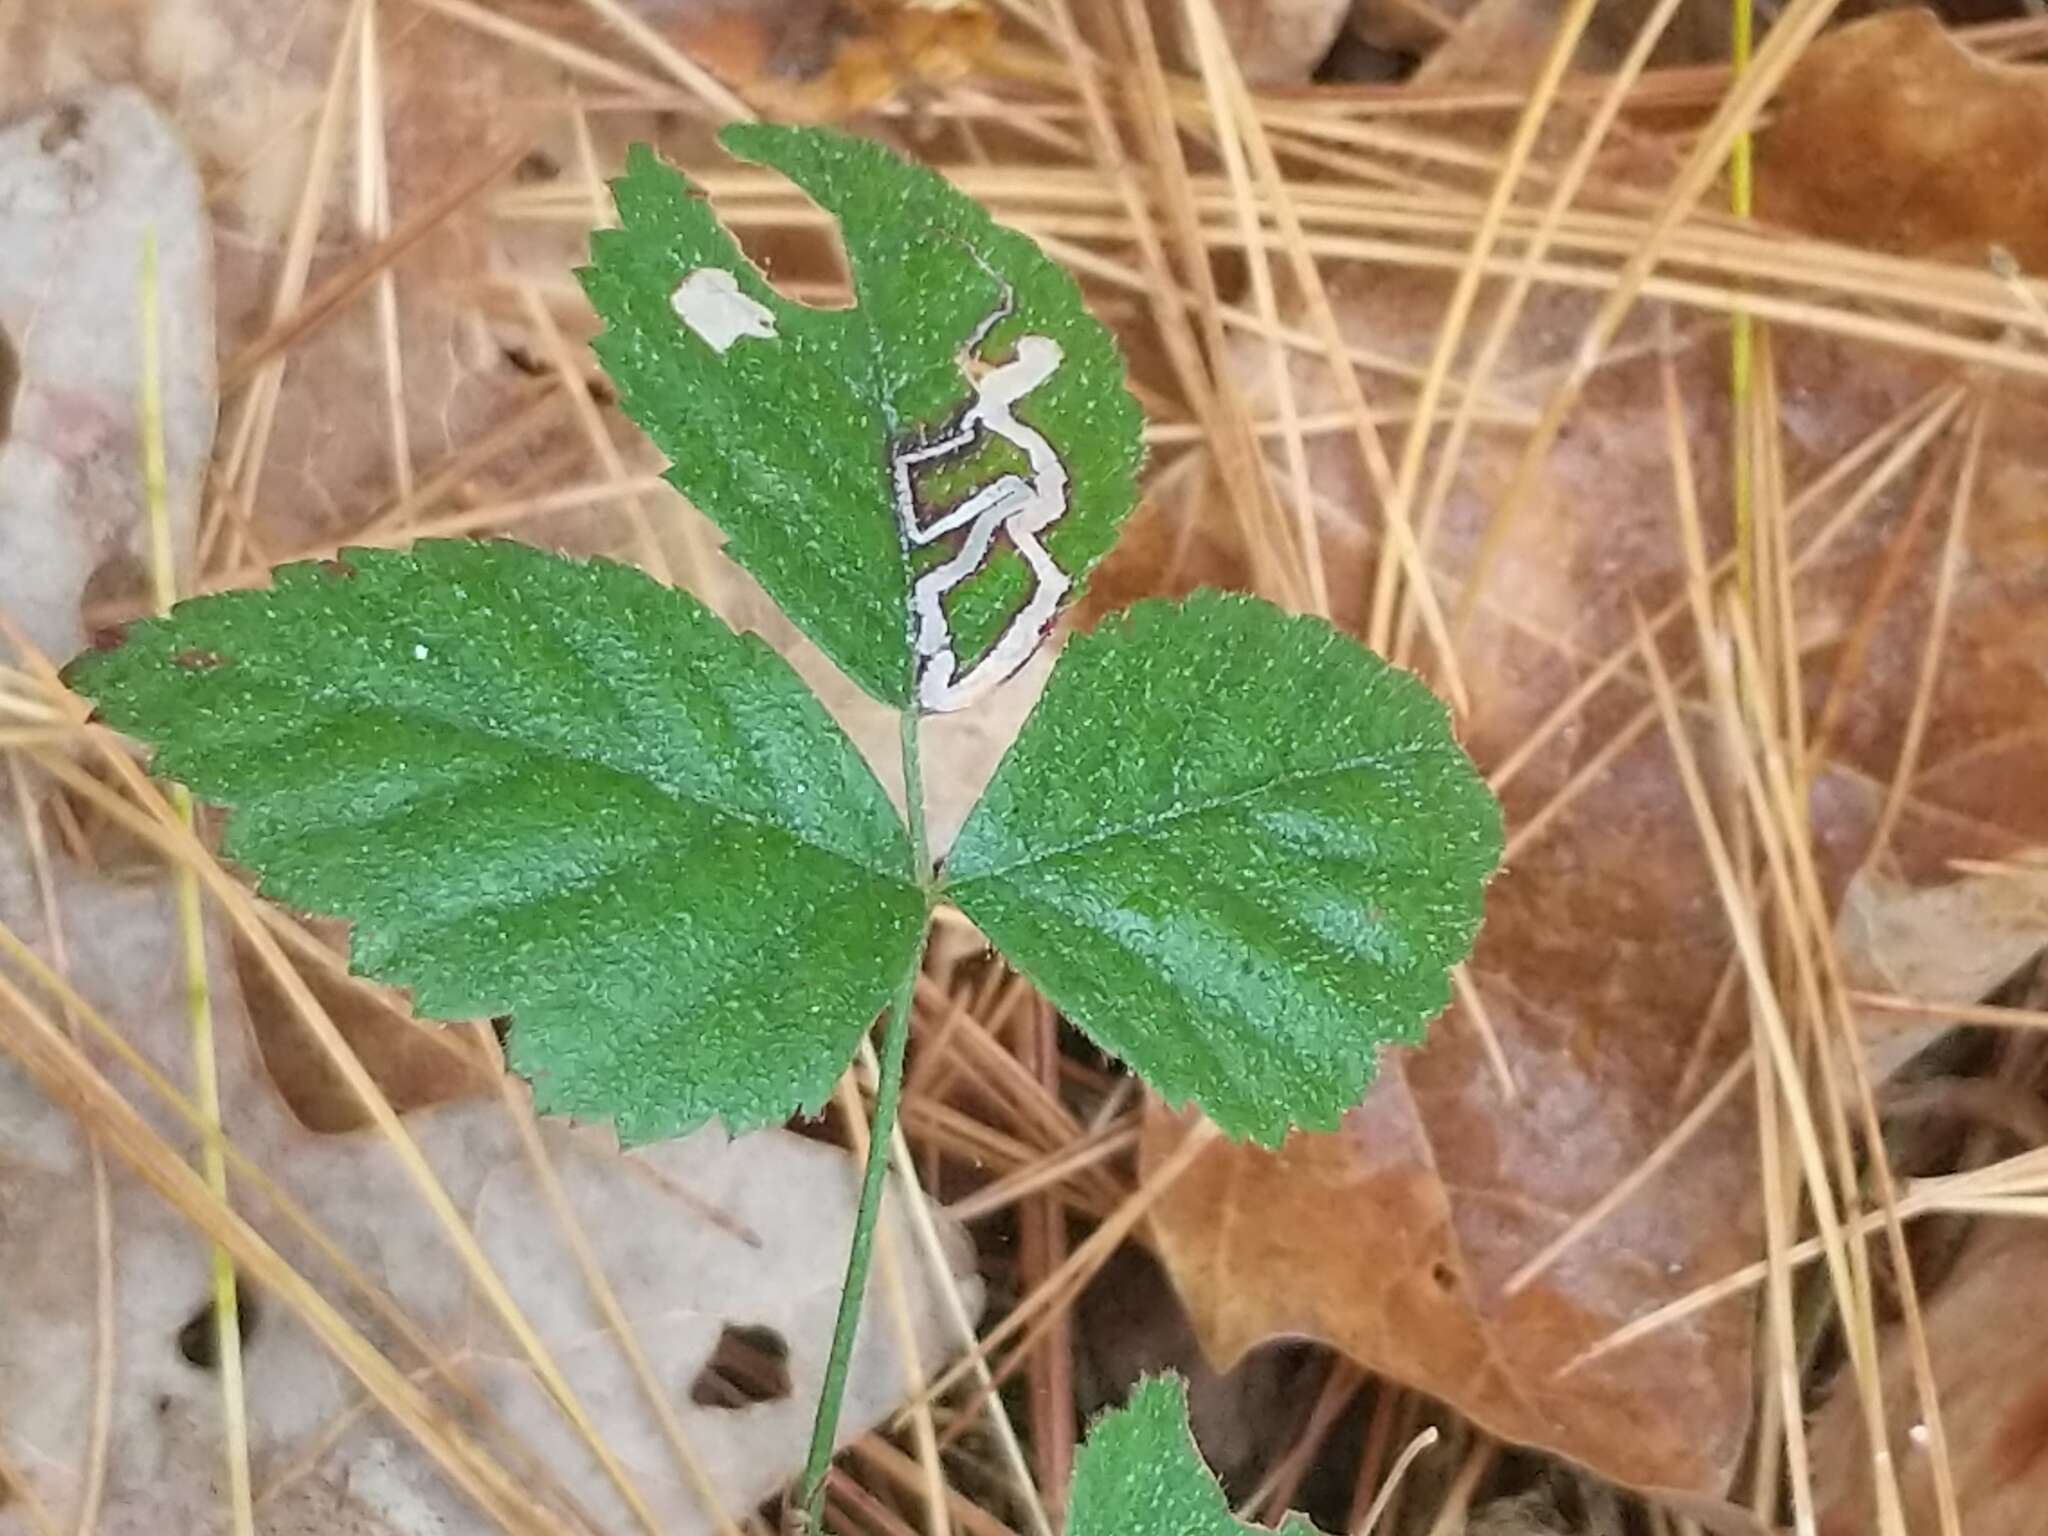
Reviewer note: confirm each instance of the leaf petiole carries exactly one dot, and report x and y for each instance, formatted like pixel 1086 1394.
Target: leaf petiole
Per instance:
pixel 810 1500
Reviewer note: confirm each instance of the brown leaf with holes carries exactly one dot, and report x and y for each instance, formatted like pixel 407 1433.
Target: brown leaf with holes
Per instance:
pixel 1402 1238
pixel 1986 1335
pixel 1893 136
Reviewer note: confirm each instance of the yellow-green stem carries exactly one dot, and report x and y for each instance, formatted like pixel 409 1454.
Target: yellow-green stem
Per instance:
pixel 810 1500
pixel 227 1317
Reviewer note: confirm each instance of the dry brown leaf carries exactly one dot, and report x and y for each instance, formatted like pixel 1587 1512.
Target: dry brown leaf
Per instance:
pixel 1396 1238
pixel 1393 1239
pixel 1956 942
pixel 245 83
pixel 1986 1334
pixel 827 60
pixel 695 1236
pixel 1275 42
pixel 1893 136
pixel 1490 42
pixel 415 1063
pixel 1890 134
pixel 1412 27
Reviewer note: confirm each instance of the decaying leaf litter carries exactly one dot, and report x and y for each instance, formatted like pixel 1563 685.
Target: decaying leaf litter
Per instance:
pixel 1899 463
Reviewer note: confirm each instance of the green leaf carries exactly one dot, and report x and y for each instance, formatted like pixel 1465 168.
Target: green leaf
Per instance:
pixel 1140 1475
pixel 783 421
pixel 551 789
pixel 1239 850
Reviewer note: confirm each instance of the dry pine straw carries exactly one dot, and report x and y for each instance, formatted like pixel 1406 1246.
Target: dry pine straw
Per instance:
pixel 1138 175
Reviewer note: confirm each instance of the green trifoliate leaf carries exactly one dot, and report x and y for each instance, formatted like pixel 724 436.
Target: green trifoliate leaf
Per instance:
pixel 550 789
pixel 1237 849
pixel 921 480
pixel 1140 1475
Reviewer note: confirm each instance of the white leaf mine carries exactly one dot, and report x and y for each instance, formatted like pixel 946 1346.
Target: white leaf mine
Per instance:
pixel 1018 506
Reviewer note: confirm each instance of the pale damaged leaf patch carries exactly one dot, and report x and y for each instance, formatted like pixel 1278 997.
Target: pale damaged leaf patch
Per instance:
pixel 710 303
pixel 922 480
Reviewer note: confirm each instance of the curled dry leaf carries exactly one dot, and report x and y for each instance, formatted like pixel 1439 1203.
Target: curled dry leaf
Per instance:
pixel 85 181
pixel 1402 1239
pixel 1893 136
pixel 1986 1321
pixel 701 1239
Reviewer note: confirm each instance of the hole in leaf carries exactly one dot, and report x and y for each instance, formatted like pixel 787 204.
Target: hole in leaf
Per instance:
pixel 199 1339
pixel 806 266
pixel 538 165
pixel 1355 60
pixel 749 1365
pixel 64 127
pixel 199 660
pixel 10 383
pixel 338 569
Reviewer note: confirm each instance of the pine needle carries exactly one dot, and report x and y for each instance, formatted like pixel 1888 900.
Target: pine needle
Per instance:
pixel 227 1324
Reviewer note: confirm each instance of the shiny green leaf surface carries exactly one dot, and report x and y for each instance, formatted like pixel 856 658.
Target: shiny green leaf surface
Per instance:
pixel 551 789
pixel 788 425
pixel 1139 1474
pixel 1239 850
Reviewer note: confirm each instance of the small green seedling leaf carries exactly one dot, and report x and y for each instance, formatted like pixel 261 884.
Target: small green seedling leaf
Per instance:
pixel 1239 850
pixel 922 480
pixel 551 789
pixel 1140 1475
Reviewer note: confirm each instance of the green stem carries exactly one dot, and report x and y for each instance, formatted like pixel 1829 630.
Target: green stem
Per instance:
pixel 913 795
pixel 888 1095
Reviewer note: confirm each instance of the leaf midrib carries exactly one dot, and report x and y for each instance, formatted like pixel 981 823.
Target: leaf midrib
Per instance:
pixel 1199 808
pixel 555 754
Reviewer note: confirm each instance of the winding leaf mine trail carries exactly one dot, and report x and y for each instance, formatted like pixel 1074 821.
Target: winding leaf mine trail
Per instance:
pixel 1023 506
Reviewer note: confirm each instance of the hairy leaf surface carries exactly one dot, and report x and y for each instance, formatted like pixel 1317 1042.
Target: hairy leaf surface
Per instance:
pixel 551 789
pixel 785 423
pixel 1239 850
pixel 1140 1475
